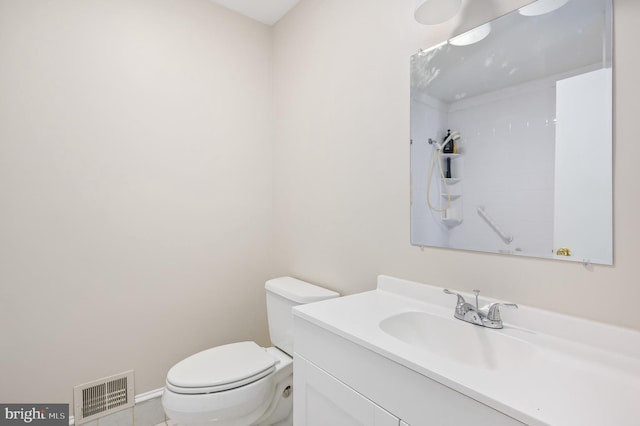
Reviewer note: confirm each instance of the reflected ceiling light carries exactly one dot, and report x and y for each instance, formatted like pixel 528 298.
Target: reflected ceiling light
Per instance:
pixel 432 12
pixel 472 36
pixel 423 52
pixel 541 7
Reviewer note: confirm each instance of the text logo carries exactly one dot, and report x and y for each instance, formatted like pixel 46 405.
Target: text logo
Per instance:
pixel 34 414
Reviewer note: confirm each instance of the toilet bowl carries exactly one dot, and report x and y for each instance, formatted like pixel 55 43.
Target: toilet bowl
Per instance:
pixel 243 384
pixel 241 387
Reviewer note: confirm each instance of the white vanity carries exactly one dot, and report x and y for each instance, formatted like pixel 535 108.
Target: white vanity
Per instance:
pixel 397 356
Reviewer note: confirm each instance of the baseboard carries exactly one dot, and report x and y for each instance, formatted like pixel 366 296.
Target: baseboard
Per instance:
pixel 145 396
pixel 157 393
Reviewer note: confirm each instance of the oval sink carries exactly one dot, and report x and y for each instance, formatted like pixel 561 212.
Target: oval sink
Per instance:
pixel 454 339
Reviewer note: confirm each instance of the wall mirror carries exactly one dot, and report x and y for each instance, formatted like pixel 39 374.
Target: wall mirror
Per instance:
pixel 526 101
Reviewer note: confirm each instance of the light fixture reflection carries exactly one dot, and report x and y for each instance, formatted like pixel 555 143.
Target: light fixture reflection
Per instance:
pixel 432 12
pixel 423 52
pixel 541 7
pixel 472 36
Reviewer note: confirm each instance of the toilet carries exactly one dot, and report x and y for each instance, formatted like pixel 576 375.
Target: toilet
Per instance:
pixel 243 384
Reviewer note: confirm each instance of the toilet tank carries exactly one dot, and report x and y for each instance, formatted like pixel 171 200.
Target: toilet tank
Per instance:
pixel 283 294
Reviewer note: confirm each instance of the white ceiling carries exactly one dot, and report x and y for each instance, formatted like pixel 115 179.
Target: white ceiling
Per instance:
pixel 266 11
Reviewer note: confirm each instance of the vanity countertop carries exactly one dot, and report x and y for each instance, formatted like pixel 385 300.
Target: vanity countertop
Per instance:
pixel 577 372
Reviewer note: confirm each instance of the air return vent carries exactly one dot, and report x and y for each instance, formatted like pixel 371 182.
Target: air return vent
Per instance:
pixel 104 396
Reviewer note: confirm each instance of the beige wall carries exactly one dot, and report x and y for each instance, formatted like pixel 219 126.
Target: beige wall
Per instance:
pixel 342 163
pixel 135 190
pixel 136 181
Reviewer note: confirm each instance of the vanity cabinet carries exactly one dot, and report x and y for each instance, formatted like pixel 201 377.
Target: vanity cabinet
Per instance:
pixel 324 400
pixel 339 382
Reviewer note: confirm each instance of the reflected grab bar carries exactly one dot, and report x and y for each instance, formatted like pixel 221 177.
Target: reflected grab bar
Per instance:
pixel 503 235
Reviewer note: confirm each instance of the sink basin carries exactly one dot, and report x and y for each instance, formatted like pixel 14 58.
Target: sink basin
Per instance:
pixel 454 339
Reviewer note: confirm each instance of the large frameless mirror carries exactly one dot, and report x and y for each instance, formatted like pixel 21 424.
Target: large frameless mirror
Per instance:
pixel 511 135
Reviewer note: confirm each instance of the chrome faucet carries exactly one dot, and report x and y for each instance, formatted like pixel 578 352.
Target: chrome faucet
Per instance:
pixel 487 316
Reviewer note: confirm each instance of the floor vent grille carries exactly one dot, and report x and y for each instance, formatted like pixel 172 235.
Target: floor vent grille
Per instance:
pixel 104 396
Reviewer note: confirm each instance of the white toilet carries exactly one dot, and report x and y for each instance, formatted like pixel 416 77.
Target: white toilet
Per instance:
pixel 243 384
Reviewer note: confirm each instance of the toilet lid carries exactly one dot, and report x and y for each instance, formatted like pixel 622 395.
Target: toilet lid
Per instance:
pixel 221 368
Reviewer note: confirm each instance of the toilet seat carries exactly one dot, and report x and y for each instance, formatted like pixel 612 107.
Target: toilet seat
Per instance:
pixel 220 368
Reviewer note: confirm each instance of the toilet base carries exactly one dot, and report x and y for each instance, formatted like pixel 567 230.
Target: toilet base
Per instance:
pixel 280 412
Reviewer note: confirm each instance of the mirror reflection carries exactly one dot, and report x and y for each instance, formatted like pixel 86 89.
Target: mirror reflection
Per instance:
pixel 511 136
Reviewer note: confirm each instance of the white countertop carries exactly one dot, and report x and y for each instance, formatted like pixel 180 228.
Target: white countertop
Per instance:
pixel 580 372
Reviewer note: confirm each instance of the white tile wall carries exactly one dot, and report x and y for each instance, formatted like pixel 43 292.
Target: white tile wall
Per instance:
pixel 506 166
pixel 509 168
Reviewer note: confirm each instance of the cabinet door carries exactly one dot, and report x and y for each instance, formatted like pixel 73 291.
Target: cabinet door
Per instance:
pixel 319 399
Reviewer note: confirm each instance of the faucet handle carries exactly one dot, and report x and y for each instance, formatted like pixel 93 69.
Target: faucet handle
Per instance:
pixel 462 307
pixel 493 312
pixel 460 301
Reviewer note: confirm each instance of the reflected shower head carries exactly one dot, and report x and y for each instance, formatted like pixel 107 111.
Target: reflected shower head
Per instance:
pixel 452 137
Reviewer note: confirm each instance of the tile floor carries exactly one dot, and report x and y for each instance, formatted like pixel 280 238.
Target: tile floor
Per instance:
pixel 146 413
pixel 167 422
